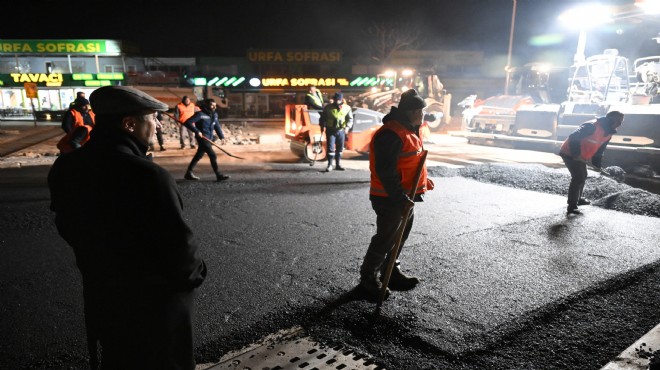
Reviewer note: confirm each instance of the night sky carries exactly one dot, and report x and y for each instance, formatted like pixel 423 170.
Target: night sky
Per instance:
pixel 229 28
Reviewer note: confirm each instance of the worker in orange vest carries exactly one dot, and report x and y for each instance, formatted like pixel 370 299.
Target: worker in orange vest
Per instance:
pixel 585 144
pixel 83 119
pixel 183 112
pixel 394 155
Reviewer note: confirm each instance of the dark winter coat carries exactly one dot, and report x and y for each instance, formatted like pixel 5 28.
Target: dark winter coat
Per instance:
pixel 205 122
pixel 122 215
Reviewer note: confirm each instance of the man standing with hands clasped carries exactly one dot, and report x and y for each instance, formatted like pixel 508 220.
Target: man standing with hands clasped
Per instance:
pixel 336 121
pixel 585 144
pixel 394 156
pixel 137 256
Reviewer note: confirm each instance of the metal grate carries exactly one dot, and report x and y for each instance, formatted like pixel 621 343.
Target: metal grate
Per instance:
pixel 289 349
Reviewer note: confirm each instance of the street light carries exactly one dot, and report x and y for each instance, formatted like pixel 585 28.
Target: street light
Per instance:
pixel 508 58
pixel 584 17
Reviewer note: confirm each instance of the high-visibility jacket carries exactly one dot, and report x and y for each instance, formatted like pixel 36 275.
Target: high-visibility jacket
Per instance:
pixel 65 145
pixel 185 111
pixel 338 118
pixel 590 144
pixel 409 158
pixel 317 98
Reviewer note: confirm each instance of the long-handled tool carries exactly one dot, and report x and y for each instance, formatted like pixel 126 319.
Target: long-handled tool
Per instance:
pixel 202 136
pixel 399 233
pixel 317 148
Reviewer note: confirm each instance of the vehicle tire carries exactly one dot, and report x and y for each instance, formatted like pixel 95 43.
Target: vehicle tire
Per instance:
pixel 315 153
pixel 436 124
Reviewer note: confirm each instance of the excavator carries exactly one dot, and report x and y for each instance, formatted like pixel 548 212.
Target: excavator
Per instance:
pixel 427 84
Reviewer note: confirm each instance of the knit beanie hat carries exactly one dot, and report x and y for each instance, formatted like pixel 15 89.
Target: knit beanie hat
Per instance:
pixel 410 100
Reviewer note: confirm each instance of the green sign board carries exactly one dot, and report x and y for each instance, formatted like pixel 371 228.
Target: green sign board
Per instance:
pixel 60 79
pixel 74 47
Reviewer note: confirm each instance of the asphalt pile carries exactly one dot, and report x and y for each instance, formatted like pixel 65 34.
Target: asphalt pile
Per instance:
pixel 603 191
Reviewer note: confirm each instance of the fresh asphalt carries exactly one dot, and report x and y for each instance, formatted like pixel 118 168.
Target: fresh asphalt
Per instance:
pixel 508 280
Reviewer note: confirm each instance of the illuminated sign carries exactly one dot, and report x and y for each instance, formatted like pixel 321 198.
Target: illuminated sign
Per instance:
pixel 60 79
pixel 294 56
pixel 51 79
pixel 97 47
pixel 294 82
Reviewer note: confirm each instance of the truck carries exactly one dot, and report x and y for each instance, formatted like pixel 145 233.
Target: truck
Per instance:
pixel 426 82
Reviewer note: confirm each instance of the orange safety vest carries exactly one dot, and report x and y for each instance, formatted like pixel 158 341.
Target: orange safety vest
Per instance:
pixel 185 111
pixel 64 145
pixel 590 144
pixel 409 158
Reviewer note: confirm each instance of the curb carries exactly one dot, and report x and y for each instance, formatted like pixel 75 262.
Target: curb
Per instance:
pixel 638 355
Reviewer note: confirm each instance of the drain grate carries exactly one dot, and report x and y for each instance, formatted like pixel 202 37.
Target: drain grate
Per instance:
pixel 290 349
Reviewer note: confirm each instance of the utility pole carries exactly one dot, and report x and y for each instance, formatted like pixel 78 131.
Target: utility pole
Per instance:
pixel 508 59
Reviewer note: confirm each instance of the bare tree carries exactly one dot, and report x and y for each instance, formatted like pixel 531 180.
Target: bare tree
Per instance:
pixel 385 38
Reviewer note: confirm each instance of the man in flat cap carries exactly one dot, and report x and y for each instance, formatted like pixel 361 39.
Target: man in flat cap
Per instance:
pixel 394 155
pixel 122 215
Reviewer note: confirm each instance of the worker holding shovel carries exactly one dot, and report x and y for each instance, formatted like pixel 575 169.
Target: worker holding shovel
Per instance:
pixel 396 161
pixel 585 144
pixel 203 124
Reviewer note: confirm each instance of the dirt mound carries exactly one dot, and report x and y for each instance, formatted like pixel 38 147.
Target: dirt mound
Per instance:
pixel 603 191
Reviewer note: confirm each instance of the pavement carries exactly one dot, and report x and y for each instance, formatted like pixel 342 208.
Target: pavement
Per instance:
pixel 27 143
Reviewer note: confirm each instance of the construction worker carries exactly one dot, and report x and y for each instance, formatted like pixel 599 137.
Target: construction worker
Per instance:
pixel 585 144
pixel 79 107
pixel 314 99
pixel 159 133
pixel 122 215
pixel 81 121
pixel 336 120
pixel 203 124
pixel 183 111
pixel 394 154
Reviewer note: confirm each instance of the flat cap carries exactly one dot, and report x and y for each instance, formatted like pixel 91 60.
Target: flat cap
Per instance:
pixel 123 100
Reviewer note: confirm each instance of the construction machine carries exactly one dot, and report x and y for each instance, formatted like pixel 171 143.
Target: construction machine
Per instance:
pixel 388 93
pixel 301 126
pixel 534 83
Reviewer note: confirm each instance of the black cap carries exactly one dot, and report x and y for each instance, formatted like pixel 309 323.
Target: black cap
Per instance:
pixel 81 101
pixel 339 97
pixel 410 100
pixel 123 100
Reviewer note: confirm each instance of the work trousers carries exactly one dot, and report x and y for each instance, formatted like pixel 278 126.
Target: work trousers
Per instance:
pixel 335 139
pixel 578 172
pixel 388 221
pixel 204 147
pixel 183 132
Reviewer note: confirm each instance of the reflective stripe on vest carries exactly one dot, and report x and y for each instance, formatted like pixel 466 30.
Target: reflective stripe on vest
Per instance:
pixel 185 111
pixel 317 98
pixel 337 117
pixel 411 154
pixel 590 144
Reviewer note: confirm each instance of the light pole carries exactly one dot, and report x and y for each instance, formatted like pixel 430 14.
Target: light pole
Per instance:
pixel 508 58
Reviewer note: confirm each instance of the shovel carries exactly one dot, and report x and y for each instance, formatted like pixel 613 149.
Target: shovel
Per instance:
pixel 399 233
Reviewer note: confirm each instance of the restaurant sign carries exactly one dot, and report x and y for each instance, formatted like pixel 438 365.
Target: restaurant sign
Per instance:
pixel 91 47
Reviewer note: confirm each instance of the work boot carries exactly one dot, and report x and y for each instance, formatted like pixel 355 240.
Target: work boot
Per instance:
pixel 190 176
pixel 370 290
pixel 339 168
pixel 584 202
pixel 399 281
pixel 162 148
pixel 192 146
pixel 220 177
pixel 329 168
pixel 572 209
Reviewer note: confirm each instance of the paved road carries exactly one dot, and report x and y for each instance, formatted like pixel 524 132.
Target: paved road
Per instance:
pixel 505 284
